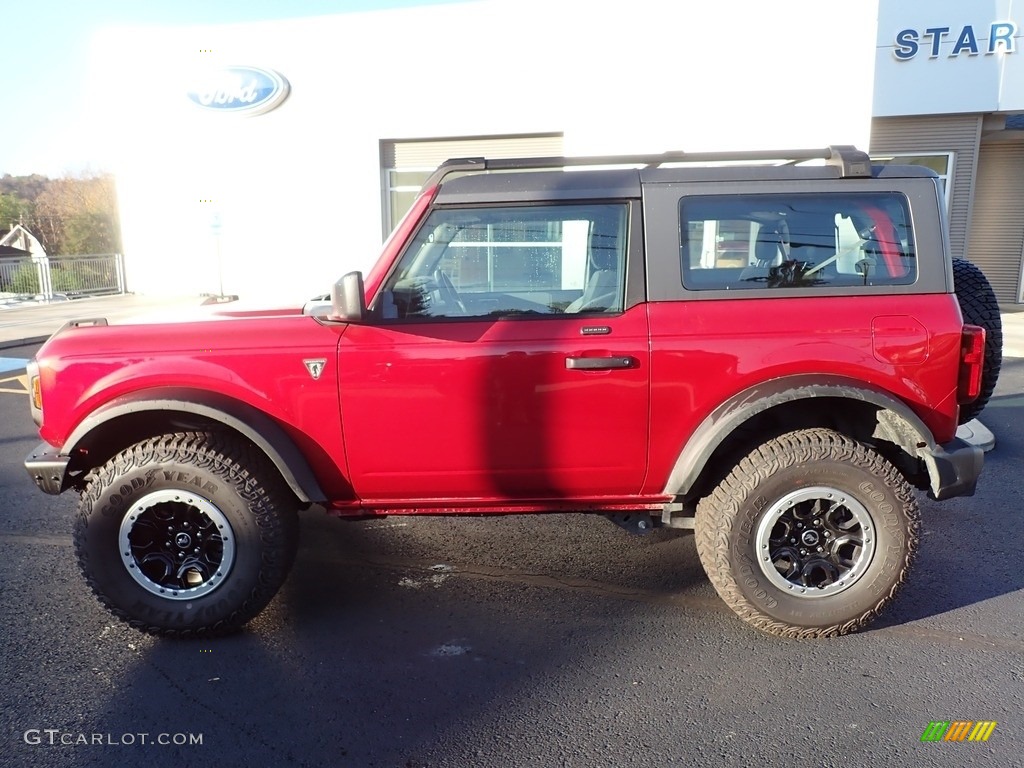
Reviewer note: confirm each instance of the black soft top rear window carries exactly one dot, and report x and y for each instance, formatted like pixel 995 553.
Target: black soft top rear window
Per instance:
pixel 758 241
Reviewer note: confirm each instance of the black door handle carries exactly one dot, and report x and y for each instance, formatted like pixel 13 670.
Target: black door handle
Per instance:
pixel 600 363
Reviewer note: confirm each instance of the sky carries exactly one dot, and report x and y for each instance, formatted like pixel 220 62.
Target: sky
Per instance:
pixel 45 58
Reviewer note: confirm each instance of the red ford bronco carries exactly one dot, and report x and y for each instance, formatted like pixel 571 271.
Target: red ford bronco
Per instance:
pixel 770 354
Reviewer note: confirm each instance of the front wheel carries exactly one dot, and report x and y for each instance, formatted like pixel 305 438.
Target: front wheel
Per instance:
pixel 811 535
pixel 186 534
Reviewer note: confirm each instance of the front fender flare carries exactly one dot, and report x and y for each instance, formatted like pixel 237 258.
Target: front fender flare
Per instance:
pixel 255 425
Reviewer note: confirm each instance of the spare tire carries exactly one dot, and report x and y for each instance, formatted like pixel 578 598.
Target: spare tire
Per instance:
pixel 978 306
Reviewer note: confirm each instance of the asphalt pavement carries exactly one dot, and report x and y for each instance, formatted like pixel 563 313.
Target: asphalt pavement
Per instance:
pixel 528 641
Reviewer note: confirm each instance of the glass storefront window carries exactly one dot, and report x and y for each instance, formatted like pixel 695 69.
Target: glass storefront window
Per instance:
pixel 940 162
pixel 401 189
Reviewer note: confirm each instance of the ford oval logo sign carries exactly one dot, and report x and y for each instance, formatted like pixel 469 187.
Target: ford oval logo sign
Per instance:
pixel 239 90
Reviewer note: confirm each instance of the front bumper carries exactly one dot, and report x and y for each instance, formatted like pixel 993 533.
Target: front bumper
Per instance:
pixel 953 468
pixel 48 468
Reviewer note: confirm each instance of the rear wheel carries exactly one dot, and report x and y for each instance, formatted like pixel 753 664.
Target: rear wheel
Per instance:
pixel 979 306
pixel 810 535
pixel 186 534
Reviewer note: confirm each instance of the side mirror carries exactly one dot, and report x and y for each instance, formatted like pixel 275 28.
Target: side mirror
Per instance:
pixel 348 304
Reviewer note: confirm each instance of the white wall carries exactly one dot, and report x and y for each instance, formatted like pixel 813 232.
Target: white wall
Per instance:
pixel 298 189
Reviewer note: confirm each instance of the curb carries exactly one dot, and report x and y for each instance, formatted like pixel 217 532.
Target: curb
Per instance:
pixel 23 342
pixel 976 433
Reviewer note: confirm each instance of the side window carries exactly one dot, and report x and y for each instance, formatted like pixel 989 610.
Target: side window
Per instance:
pixel 745 242
pixel 508 261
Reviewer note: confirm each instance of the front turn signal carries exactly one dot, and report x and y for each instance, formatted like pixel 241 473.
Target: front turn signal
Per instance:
pixel 35 391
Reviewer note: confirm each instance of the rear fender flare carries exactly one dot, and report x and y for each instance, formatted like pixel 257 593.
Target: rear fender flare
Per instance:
pixel 896 422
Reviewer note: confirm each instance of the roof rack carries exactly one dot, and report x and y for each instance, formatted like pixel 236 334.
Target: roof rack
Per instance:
pixel 850 160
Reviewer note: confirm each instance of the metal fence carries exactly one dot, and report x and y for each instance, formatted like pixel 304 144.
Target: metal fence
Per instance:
pixel 71 276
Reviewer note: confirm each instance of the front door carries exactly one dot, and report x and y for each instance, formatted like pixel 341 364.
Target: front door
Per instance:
pixel 501 361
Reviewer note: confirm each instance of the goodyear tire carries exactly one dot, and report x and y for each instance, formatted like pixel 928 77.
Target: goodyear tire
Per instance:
pixel 979 306
pixel 188 534
pixel 811 535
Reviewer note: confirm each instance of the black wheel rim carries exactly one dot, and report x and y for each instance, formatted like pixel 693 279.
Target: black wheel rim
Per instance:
pixel 176 545
pixel 815 542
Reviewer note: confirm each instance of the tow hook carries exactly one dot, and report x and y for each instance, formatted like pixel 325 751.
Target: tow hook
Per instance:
pixel 637 523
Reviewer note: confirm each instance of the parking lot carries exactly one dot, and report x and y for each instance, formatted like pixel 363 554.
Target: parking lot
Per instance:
pixel 519 641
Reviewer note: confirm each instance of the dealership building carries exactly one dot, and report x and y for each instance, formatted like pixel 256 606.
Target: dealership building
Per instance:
pixel 267 159
pixel 949 94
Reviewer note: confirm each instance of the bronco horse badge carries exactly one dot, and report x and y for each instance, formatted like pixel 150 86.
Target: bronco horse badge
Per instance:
pixel 315 367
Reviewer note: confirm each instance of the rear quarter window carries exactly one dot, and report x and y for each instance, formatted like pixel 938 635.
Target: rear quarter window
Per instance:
pixel 769 241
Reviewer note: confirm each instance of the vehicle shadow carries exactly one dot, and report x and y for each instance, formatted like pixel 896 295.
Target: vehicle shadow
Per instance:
pixel 373 651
